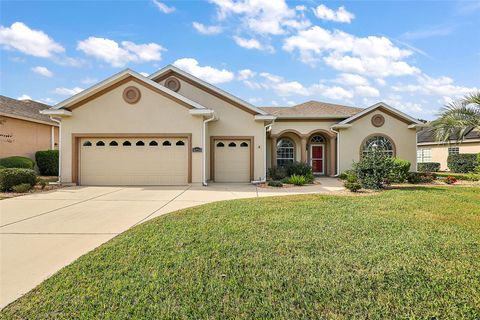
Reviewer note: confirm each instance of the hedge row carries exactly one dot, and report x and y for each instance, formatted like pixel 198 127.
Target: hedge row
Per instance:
pixel 17 162
pixel 462 163
pixel 47 162
pixel 428 167
pixel 10 177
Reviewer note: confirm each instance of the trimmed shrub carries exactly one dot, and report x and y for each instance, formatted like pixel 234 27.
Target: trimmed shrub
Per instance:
pixel 421 177
pixel 47 162
pixel 285 180
pixel 462 163
pixel 17 162
pixel 276 173
pixel 352 186
pixel 298 168
pixel 373 169
pixel 276 184
pixel 428 167
pixel 400 170
pixel 345 174
pixel 309 178
pixel 22 188
pixel 13 176
pixel 297 180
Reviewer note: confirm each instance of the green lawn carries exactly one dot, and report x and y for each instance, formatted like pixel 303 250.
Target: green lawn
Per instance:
pixel 405 253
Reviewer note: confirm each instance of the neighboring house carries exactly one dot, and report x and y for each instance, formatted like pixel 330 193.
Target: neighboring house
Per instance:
pixel 23 130
pixel 431 150
pixel 172 128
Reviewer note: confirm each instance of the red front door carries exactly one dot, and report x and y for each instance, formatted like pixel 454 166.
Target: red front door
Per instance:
pixel 317 159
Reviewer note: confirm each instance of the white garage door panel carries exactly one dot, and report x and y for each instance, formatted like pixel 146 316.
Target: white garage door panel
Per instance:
pixel 232 161
pixel 134 165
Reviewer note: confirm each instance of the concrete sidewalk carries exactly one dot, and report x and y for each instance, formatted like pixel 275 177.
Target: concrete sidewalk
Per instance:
pixel 43 232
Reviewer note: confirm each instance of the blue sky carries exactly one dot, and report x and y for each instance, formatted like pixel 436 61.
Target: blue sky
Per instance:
pixel 414 55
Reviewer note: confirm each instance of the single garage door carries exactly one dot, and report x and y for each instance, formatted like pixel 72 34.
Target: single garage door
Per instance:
pixel 232 160
pixel 134 161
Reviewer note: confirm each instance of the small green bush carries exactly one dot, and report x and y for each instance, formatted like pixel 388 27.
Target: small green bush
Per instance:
pixel 462 163
pixel 22 188
pixel 298 168
pixel 277 173
pixel 400 170
pixel 352 186
pixel 297 180
pixel 47 162
pixel 373 169
pixel 345 174
pixel 421 177
pixel 42 183
pixel 276 184
pixel 13 176
pixel 477 168
pixel 428 167
pixel 17 162
pixel 309 178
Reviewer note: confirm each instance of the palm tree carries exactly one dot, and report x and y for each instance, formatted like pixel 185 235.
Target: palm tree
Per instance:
pixel 458 118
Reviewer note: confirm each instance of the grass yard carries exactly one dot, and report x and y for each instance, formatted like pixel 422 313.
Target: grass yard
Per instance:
pixel 407 253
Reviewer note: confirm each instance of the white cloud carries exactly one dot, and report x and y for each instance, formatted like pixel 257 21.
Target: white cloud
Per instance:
pixel 145 74
pixel 334 93
pixel 163 7
pixel 376 56
pixel 67 91
pixel 341 15
pixel 24 97
pixel 255 100
pixel 380 81
pixel 43 71
pixel 48 100
pixel 442 86
pixel 245 74
pixel 89 80
pixel 367 91
pixel 206 73
pixel 118 56
pixel 349 79
pixel 32 42
pixel 203 29
pixel 252 44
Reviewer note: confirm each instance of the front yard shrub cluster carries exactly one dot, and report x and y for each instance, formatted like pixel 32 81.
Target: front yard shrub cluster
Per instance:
pixel 428 167
pixel 462 163
pixel 277 173
pixel 22 188
pixel 17 162
pixel 11 177
pixel 275 183
pixel 477 168
pixel 47 162
pixel 297 169
pixel 421 177
pixel 400 170
pixel 297 180
pixel 373 169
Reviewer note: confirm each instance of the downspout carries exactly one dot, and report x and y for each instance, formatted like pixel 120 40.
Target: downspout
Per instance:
pixel 338 152
pixel 204 159
pixel 267 128
pixel 59 147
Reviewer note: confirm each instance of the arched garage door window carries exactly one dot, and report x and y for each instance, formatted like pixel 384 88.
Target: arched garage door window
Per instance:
pixel 381 143
pixel 285 152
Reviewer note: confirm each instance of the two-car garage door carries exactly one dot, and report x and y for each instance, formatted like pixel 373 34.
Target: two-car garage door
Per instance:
pixel 134 161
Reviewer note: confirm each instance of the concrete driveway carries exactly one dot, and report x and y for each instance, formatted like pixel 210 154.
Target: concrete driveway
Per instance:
pixel 41 233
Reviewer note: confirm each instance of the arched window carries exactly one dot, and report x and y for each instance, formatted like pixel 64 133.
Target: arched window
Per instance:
pixel 140 143
pixel 220 145
pixel 100 144
pixel 285 152
pixel 232 144
pixel 244 144
pixel 126 143
pixel 153 143
pixel 317 139
pixel 113 143
pixel 87 144
pixel 166 143
pixel 180 143
pixel 381 143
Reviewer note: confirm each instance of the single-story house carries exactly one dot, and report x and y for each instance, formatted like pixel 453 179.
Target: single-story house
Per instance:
pixel 23 130
pixel 172 128
pixel 429 149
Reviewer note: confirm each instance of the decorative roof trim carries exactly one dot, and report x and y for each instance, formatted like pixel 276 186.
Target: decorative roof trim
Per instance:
pixel 171 68
pixel 381 105
pixel 57 112
pixel 118 77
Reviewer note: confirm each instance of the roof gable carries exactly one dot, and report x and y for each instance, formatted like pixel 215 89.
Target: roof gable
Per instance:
pixel 313 109
pixel 118 79
pixel 205 86
pixel 385 108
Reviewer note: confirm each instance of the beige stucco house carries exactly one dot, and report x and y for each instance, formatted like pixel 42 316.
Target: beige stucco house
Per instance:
pixel 431 150
pixel 23 130
pixel 172 128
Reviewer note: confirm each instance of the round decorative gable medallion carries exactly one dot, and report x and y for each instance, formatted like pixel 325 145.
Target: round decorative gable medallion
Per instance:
pixel 173 84
pixel 131 95
pixel 378 120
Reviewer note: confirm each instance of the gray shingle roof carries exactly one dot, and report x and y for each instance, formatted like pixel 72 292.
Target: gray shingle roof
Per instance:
pixel 313 109
pixel 427 135
pixel 24 108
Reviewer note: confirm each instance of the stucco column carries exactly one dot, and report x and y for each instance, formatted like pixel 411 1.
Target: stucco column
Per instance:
pixel 303 153
pixel 332 155
pixel 273 143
